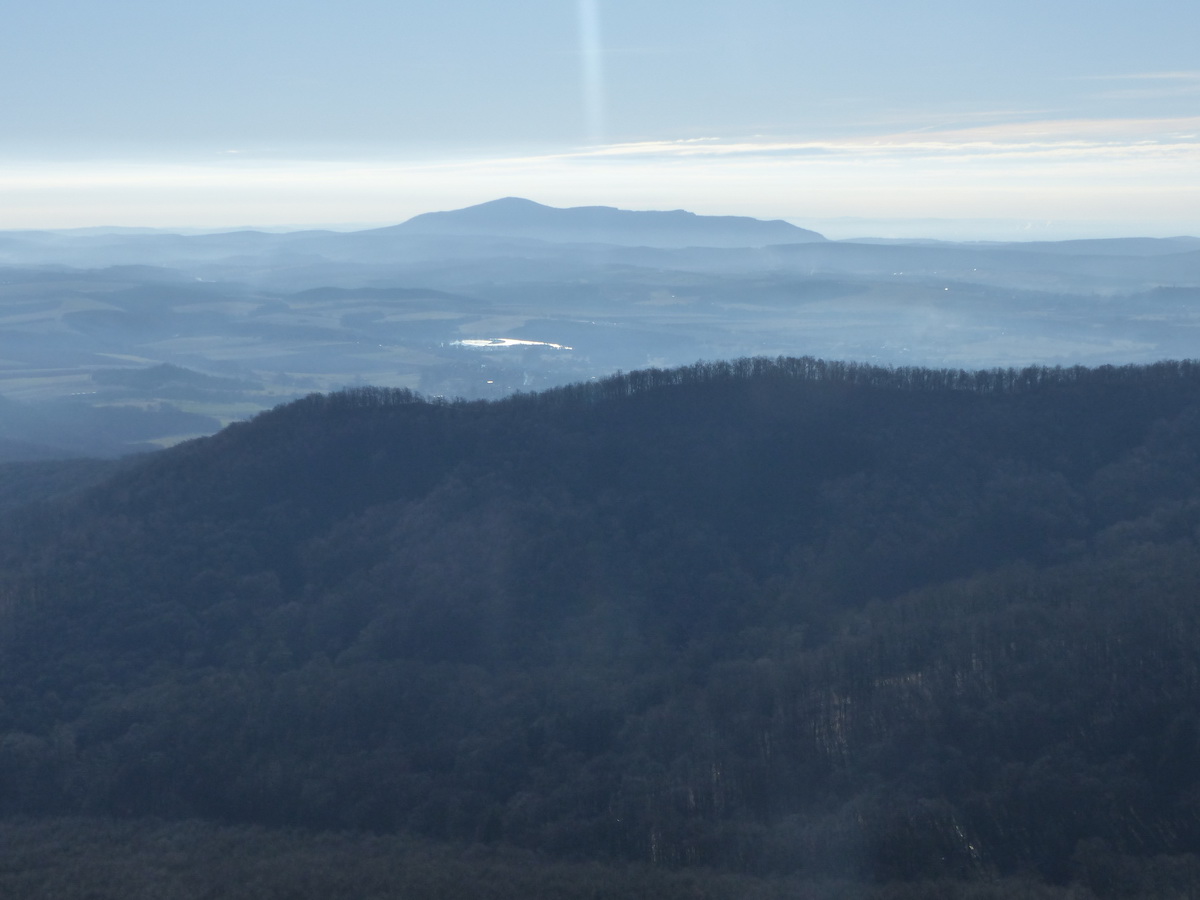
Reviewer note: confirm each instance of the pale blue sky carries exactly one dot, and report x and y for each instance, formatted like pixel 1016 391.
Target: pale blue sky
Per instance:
pixel 172 113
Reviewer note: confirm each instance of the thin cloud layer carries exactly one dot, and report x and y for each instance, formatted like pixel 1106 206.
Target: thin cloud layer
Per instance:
pixel 1134 170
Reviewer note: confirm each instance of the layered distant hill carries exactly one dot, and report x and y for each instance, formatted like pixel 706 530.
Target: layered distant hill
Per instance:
pixel 513 295
pixel 514 217
pixel 786 617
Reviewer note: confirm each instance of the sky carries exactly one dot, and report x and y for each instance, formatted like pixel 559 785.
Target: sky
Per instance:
pixel 1056 118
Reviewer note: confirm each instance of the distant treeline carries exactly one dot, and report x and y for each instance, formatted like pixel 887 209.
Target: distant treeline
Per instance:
pixel 776 617
pixel 805 369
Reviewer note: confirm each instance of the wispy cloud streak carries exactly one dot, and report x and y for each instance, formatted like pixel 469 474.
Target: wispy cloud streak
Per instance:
pixel 1141 170
pixel 1189 75
pixel 1098 142
pixel 1148 85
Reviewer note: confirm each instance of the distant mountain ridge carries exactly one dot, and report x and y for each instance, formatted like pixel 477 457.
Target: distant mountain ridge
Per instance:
pixel 520 218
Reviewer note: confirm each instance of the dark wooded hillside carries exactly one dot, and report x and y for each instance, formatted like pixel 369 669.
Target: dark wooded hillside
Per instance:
pixel 770 616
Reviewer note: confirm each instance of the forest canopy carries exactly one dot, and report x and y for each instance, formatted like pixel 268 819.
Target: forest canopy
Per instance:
pixel 775 617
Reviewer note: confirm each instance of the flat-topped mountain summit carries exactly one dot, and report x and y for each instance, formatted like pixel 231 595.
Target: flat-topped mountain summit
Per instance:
pixel 516 217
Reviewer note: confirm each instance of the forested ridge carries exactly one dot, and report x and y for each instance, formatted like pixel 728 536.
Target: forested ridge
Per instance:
pixel 781 618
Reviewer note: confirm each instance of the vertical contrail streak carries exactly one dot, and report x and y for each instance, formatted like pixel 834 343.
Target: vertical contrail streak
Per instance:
pixel 593 72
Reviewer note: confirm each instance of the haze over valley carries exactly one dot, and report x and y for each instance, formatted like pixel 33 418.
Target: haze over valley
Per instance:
pixel 117 339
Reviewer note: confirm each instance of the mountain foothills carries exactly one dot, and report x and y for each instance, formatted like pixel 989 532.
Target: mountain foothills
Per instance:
pixel 119 340
pixel 815 629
